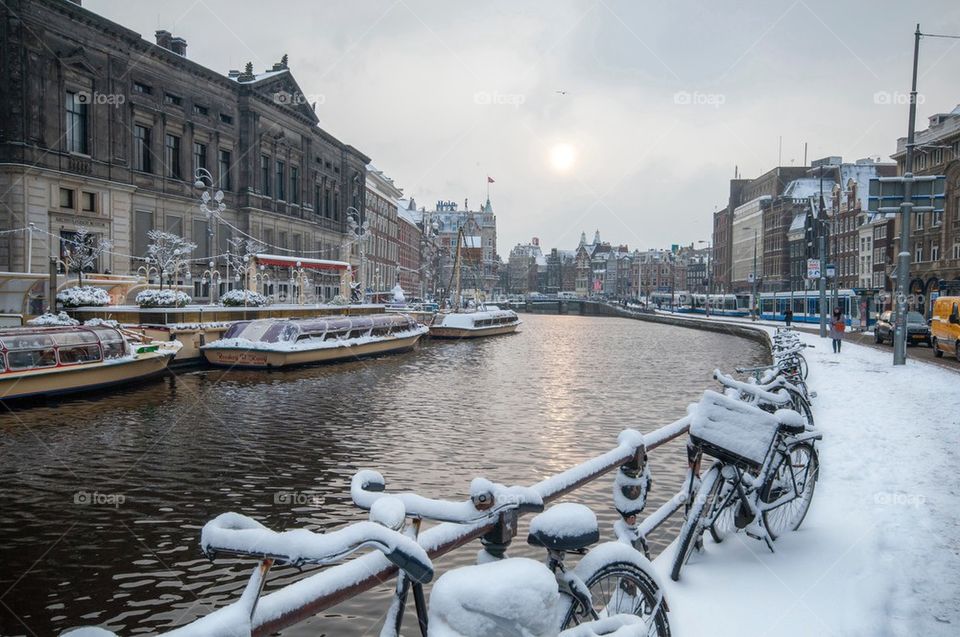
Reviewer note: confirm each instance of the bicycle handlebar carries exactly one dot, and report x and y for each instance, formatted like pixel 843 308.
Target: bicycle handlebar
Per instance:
pixel 760 392
pixel 238 534
pixel 487 500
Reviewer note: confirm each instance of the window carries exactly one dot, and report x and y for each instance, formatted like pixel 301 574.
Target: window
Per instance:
pixel 77 122
pixel 294 184
pixel 171 156
pixel 265 175
pixel 226 119
pixel 956 250
pixel 200 110
pixel 920 221
pixel 316 199
pixel 199 156
pixel 919 256
pixel 66 199
pixel 143 89
pixel 142 224
pixel 201 237
pixel 141 148
pixel 282 239
pixel 934 251
pixel 225 182
pixel 88 201
pixel 937 219
pixel 174 225
pixel 268 237
pixel 173 100
pixel 281 172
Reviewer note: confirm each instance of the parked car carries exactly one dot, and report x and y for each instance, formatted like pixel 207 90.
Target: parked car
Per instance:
pixel 945 326
pixel 917 329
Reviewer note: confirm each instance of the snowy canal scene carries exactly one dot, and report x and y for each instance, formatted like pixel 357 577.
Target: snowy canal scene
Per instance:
pixel 410 318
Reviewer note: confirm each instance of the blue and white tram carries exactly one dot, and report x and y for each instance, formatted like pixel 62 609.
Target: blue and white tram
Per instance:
pixel 806 306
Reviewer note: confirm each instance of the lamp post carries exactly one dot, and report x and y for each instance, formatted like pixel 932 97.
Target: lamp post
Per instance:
pixel 709 255
pixel 261 279
pixel 210 275
pixel 754 304
pixel 360 229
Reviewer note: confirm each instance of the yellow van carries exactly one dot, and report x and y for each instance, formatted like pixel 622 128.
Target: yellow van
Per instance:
pixel 945 326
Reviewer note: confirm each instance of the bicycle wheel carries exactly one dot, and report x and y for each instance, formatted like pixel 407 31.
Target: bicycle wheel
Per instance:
pixel 619 587
pixel 801 405
pixel 724 512
pixel 694 524
pixel 802 364
pixel 796 470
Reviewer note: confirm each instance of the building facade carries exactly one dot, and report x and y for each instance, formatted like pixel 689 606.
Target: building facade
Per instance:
pixel 381 249
pixel 410 240
pixel 935 237
pixel 479 261
pixel 103 130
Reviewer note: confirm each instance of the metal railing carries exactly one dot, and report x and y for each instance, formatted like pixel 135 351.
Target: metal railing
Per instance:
pixel 305 598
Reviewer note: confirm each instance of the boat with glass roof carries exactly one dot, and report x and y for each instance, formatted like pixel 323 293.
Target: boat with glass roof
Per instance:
pixel 475 324
pixel 45 361
pixel 276 343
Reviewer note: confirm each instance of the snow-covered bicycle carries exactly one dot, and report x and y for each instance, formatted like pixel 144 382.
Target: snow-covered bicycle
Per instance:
pixel 613 590
pixel 763 478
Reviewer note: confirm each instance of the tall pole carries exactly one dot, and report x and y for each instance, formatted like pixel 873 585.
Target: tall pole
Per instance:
pixel 756 302
pixel 822 253
pixel 29 248
pixel 709 259
pixel 903 259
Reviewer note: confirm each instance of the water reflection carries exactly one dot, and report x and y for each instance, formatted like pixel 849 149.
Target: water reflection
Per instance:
pixel 282 447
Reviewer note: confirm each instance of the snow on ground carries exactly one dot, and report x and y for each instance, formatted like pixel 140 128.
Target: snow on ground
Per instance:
pixel 879 551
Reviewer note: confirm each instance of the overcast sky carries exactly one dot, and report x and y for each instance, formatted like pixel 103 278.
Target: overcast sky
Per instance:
pixel 662 99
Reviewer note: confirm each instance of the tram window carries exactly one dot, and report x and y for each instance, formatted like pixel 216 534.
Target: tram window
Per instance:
pixel 798 306
pixel 79 354
pixel 31 358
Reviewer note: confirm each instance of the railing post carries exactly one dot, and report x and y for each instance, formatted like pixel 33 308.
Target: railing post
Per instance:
pixel 630 489
pixel 496 541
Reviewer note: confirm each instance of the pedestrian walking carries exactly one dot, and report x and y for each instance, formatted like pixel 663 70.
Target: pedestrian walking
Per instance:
pixel 838 325
pixel 788 316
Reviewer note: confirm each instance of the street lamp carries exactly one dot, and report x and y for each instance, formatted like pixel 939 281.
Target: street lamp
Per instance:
pixel 360 229
pixel 709 255
pixel 754 303
pixel 210 275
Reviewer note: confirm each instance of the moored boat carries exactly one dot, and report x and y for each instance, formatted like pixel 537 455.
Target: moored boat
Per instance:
pixel 273 343
pixel 484 322
pixel 49 361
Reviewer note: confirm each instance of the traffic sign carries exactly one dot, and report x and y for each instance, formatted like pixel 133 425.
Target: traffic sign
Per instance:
pixel 926 194
pixel 831 271
pixel 813 268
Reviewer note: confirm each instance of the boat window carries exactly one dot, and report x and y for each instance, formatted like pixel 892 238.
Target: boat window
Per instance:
pixel 79 354
pixel 27 341
pixel 114 349
pixel 79 337
pixel 31 359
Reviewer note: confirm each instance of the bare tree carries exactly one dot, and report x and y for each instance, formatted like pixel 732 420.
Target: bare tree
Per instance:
pixel 168 253
pixel 239 252
pixel 84 251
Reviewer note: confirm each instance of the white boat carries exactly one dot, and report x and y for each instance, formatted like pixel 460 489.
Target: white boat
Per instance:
pixel 47 361
pixel 483 322
pixel 276 343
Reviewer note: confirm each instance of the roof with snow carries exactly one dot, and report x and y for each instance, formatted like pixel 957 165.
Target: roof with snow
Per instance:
pixel 807 187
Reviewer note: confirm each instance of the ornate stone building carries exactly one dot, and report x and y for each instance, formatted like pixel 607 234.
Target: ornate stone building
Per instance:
pixel 382 248
pixel 102 129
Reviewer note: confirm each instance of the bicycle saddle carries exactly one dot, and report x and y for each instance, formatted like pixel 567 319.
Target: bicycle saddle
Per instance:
pixel 564 527
pixel 790 421
pixel 515 597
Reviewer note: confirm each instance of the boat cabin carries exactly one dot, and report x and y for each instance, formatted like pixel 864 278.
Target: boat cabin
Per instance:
pixel 322 329
pixel 27 348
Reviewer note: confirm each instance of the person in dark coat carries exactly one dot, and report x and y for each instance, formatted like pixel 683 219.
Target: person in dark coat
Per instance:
pixel 788 316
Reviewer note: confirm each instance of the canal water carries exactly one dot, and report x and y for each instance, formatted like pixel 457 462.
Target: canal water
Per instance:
pixel 103 496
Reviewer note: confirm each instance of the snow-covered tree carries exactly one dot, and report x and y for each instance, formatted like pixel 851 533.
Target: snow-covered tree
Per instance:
pixel 168 253
pixel 240 251
pixel 83 251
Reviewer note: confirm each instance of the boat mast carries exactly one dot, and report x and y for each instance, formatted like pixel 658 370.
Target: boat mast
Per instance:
pixel 456 272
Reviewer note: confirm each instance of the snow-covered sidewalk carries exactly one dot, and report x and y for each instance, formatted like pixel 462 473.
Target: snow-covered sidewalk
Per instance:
pixel 879 552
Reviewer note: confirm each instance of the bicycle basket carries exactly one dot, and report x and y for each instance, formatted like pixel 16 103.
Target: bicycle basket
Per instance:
pixel 733 431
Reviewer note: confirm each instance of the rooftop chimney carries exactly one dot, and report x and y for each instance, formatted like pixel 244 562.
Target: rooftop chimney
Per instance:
pixel 163 38
pixel 179 46
pixel 233 74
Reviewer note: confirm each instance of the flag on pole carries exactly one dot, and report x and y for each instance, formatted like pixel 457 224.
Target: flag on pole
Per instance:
pixel 490 180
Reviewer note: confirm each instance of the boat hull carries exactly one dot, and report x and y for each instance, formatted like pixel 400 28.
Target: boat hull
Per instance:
pixel 66 380
pixel 236 357
pixel 438 331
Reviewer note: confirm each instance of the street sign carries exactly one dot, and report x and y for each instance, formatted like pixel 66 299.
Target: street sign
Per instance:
pixel 927 194
pixel 813 268
pixel 750 278
pixel 831 271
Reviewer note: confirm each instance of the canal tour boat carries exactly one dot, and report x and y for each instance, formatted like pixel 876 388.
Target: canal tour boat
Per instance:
pixel 46 361
pixel 482 322
pixel 275 343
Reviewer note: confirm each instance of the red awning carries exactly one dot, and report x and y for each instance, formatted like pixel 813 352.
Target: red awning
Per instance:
pixel 307 264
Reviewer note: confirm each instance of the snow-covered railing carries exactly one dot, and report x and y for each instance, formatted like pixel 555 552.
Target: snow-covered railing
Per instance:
pixel 304 599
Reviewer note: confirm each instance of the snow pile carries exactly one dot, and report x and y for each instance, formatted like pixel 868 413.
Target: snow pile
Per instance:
pixel 565 519
pixel 86 296
pixel 339 300
pixel 98 322
pixel 497 598
pixel 48 319
pixel 877 553
pixel 243 298
pixel 162 298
